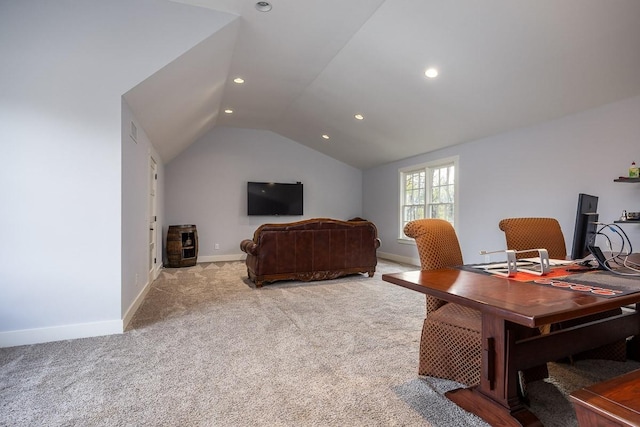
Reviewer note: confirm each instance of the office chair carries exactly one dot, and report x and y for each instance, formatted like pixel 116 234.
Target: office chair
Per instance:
pixel 450 345
pixel 534 233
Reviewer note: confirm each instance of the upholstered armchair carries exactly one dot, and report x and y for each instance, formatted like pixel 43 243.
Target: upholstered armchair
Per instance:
pixel 533 233
pixel 450 346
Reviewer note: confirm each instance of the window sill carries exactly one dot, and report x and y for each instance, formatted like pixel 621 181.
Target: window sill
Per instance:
pixel 406 241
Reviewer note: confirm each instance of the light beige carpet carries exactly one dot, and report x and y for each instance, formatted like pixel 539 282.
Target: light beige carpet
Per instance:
pixel 208 349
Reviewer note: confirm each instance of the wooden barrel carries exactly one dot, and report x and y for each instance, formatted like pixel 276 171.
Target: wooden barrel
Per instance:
pixel 182 246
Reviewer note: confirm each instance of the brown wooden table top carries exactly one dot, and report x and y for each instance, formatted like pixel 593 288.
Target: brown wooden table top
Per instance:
pixel 519 302
pixel 617 399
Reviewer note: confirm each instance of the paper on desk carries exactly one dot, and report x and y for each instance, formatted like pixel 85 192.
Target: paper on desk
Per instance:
pixel 532 264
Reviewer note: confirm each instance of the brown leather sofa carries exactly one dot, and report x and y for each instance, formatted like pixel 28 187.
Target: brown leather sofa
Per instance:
pixel 313 249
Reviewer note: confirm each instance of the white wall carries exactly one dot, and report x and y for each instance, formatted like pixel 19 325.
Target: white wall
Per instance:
pixel 65 65
pixel 537 171
pixel 206 185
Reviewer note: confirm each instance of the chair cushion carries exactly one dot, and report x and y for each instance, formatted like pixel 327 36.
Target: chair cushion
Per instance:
pixel 458 315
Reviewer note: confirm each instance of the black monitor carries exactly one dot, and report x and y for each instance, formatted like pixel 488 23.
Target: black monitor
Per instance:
pixel 585 230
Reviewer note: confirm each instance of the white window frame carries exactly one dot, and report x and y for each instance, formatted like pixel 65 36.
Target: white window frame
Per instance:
pixel 428 168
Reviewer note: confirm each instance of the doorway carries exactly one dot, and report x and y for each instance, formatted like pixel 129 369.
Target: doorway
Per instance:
pixel 153 219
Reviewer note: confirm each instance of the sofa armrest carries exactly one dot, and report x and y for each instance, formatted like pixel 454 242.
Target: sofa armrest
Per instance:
pixel 249 247
pixel 378 242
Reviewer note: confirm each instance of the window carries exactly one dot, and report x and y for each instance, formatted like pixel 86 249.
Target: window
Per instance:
pixel 428 191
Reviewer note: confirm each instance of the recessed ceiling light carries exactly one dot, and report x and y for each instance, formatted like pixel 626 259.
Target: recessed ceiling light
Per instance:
pixel 263 6
pixel 228 111
pixel 238 80
pixel 431 73
pixel 325 136
pixel 359 117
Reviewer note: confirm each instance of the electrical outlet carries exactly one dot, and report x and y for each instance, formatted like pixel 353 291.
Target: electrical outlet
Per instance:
pixel 216 246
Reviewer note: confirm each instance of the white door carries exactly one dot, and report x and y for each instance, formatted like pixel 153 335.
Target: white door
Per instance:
pixel 153 181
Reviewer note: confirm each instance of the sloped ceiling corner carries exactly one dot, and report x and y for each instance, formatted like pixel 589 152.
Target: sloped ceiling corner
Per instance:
pixel 181 102
pixel 309 67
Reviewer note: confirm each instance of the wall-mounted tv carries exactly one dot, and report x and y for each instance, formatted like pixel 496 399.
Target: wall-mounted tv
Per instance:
pixel 273 198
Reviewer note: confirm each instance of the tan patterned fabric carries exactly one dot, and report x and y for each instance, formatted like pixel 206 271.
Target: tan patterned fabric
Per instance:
pixel 534 233
pixel 450 346
pixel 438 247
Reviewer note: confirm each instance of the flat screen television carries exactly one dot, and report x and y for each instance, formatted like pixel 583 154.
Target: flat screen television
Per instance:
pixel 273 198
pixel 585 229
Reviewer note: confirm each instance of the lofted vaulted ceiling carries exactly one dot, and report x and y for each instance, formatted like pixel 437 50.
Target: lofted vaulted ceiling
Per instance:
pixel 309 67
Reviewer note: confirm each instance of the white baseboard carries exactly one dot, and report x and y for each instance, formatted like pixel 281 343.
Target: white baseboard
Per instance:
pixel 222 258
pixel 60 333
pixel 81 330
pixel 243 256
pixel 94 329
pixel 128 315
pixel 399 258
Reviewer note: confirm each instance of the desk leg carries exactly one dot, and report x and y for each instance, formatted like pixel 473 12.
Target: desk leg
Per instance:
pixel 496 399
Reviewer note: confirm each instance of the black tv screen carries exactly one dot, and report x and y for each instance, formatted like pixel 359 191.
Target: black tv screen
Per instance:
pixel 272 198
pixel 585 229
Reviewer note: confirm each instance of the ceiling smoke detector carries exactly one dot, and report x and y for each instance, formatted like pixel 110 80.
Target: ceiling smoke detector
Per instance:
pixel 263 6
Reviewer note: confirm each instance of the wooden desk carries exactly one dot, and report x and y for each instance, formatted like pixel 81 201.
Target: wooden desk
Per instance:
pixel 507 306
pixel 615 402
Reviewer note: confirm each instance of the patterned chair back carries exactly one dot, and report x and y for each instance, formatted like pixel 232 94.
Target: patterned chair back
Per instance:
pixel 438 247
pixel 534 233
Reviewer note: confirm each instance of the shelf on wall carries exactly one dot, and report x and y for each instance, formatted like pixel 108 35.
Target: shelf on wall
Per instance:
pixel 623 179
